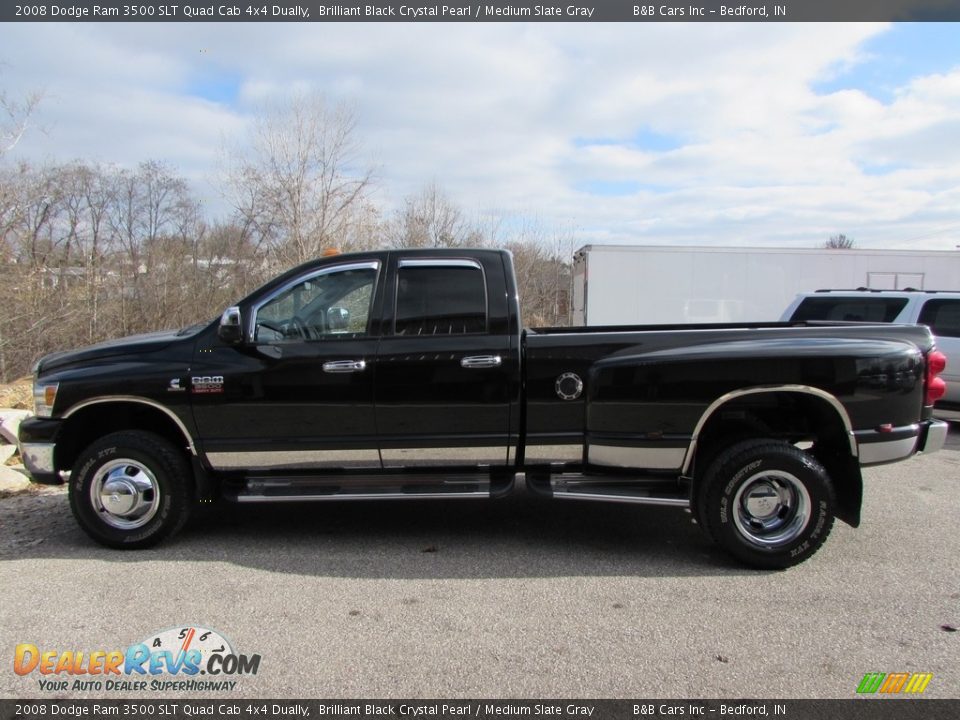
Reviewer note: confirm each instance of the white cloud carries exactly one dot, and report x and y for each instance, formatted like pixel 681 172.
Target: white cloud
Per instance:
pixel 497 115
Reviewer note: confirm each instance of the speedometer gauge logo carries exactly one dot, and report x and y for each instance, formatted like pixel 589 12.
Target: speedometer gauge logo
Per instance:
pixel 182 640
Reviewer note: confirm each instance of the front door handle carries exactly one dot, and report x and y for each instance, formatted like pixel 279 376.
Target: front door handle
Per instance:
pixel 345 366
pixel 475 362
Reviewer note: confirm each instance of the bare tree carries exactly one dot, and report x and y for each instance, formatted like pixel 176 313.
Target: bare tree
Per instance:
pixel 15 118
pixel 224 267
pixel 32 236
pixel 12 181
pixel 542 259
pixel 90 252
pixel 839 242
pixel 96 191
pixel 40 203
pixel 366 230
pixel 151 214
pixel 432 220
pixel 298 186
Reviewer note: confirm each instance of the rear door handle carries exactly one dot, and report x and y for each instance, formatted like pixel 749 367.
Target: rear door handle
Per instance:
pixel 475 362
pixel 345 366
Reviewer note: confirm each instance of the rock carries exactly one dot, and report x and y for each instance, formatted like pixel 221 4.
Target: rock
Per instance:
pixel 10 423
pixel 6 452
pixel 11 480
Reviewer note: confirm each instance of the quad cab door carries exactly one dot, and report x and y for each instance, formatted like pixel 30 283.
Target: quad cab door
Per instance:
pixel 447 364
pixel 299 393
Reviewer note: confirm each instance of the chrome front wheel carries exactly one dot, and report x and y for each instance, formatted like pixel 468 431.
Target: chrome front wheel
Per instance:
pixel 131 489
pixel 125 493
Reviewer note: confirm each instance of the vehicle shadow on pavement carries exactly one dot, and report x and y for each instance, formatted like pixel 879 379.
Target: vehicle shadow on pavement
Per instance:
pixel 514 537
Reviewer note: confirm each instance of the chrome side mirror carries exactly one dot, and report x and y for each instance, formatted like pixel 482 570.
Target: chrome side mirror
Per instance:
pixel 231 328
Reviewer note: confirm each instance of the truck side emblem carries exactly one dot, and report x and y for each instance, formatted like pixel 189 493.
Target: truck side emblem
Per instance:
pixel 207 384
pixel 569 386
pixel 175 386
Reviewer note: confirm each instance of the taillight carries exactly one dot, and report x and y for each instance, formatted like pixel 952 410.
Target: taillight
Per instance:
pixel 936 386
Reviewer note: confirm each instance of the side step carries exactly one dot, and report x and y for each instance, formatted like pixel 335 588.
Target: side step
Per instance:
pixel 620 490
pixel 377 487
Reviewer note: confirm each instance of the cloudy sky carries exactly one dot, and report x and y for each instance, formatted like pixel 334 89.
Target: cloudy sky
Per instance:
pixel 724 134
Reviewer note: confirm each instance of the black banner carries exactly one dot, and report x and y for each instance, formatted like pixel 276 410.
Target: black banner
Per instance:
pixel 853 709
pixel 477 11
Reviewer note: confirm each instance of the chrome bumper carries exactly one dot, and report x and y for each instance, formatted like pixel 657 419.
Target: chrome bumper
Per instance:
pixel 935 438
pixel 875 449
pixel 38 459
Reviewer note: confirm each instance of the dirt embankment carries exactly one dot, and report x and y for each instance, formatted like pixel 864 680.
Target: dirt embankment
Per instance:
pixel 17 395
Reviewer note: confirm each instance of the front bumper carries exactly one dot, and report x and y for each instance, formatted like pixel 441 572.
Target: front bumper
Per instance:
pixel 38 459
pixel 38 448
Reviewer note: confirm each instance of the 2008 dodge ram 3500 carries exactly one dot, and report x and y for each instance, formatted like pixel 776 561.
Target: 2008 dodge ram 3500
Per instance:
pixel 407 374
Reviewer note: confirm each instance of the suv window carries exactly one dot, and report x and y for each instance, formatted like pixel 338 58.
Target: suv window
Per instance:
pixel 865 309
pixel 943 317
pixel 440 299
pixel 327 305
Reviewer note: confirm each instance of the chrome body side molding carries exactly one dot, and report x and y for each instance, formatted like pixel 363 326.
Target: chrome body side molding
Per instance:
pixel 394 458
pixel 647 458
pixel 553 453
pixel 295 459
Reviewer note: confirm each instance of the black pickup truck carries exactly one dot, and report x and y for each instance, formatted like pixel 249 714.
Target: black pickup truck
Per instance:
pixel 407 374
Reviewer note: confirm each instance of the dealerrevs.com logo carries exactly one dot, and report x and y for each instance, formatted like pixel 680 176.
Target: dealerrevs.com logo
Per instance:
pixel 188 659
pixel 894 683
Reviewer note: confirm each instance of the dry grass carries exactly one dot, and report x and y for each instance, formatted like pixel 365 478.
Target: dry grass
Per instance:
pixel 18 394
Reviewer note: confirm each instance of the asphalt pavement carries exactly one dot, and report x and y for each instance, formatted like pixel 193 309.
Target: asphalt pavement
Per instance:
pixel 517 598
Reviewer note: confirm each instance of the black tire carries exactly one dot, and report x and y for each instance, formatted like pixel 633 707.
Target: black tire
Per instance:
pixel 152 490
pixel 705 460
pixel 767 503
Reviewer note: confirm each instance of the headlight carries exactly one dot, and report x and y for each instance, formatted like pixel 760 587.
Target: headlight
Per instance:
pixel 44 396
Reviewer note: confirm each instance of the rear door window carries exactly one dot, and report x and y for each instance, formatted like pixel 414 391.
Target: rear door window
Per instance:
pixel 942 316
pixel 441 298
pixel 852 309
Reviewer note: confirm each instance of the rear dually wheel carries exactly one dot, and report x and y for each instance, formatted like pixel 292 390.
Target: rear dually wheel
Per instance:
pixel 767 503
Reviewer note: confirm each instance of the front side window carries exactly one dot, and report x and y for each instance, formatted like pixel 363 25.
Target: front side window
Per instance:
pixel 441 300
pixel 943 317
pixel 333 304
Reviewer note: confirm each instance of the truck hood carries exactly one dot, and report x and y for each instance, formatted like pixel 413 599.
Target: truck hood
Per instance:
pixel 132 345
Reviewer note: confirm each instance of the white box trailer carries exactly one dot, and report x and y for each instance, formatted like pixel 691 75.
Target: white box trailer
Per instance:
pixel 652 284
